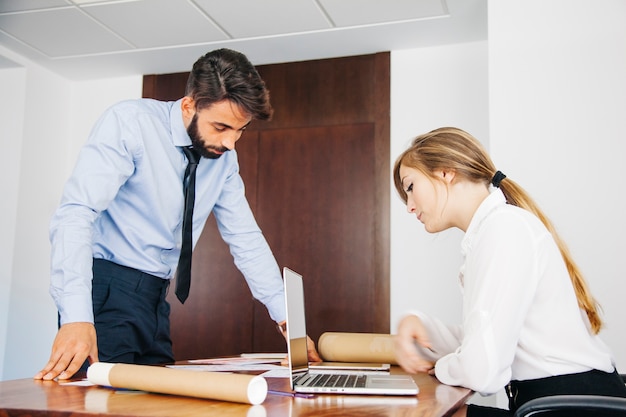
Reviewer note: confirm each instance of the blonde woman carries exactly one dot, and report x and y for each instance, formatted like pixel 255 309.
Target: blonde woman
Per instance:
pixel 530 323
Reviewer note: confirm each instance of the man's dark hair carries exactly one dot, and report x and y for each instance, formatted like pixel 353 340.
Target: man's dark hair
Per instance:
pixel 227 74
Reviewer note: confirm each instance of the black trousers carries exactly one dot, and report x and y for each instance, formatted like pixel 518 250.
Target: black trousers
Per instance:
pixel 586 383
pixel 131 315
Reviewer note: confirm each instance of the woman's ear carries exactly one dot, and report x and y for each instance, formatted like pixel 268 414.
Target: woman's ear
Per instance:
pixel 447 175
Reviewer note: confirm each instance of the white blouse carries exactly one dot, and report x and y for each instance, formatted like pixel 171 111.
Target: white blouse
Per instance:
pixel 521 319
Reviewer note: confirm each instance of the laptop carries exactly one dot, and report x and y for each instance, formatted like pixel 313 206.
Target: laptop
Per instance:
pixel 306 381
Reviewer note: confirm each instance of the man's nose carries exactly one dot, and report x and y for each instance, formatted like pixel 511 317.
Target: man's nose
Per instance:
pixel 229 140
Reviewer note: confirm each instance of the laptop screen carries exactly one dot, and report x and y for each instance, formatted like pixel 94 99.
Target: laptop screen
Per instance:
pixel 296 323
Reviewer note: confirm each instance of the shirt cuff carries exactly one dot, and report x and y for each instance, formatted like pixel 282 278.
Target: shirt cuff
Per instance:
pixel 74 308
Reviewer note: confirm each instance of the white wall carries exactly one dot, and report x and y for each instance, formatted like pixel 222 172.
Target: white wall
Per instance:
pixel 47 119
pixel 37 112
pixel 557 81
pixel 12 84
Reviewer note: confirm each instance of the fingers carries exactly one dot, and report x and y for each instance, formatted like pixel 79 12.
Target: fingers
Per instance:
pixel 48 368
pixel 74 366
pixel 77 362
pixel 74 343
pixel 282 328
pixel 310 346
pixel 63 366
pixel 410 332
pixel 312 354
pixel 411 327
pixel 312 351
pixel 415 364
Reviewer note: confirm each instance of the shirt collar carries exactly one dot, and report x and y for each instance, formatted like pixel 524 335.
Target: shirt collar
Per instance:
pixel 179 133
pixel 494 200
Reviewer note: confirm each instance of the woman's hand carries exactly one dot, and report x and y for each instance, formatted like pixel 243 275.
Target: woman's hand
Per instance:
pixel 412 332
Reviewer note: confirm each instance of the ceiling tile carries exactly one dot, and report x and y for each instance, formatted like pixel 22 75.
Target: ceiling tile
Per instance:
pixel 61 32
pixel 21 5
pixel 249 19
pixel 157 23
pixel 82 2
pixel 346 13
pixel 155 37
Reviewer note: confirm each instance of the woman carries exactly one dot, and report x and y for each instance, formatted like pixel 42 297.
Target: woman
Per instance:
pixel 529 320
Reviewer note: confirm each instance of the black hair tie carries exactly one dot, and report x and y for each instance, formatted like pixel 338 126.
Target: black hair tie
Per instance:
pixel 497 179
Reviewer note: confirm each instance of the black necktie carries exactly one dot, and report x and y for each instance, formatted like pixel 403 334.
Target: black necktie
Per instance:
pixel 183 272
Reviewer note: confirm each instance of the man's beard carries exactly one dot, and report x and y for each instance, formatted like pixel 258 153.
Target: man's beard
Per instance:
pixel 211 152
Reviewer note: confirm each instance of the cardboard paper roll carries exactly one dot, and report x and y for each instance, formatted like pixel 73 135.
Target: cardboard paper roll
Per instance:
pixel 250 389
pixel 357 347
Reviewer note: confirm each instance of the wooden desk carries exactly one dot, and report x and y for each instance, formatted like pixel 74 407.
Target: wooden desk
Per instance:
pixel 35 398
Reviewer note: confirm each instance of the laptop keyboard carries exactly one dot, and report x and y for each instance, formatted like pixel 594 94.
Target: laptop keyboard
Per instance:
pixel 332 380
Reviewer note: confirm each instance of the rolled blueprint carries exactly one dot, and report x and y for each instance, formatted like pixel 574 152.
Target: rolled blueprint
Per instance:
pixel 250 389
pixel 357 347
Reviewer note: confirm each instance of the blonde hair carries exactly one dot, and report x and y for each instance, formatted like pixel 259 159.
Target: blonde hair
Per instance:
pixel 449 148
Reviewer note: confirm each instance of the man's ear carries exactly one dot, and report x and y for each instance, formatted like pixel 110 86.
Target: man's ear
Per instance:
pixel 188 107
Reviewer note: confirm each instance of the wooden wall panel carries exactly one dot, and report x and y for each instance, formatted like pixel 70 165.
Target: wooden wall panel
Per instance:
pixel 168 87
pixel 317 216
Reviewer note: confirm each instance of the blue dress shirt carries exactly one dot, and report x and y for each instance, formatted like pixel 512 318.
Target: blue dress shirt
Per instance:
pixel 124 203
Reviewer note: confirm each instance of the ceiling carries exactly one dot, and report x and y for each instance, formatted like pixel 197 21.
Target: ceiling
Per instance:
pixel 88 39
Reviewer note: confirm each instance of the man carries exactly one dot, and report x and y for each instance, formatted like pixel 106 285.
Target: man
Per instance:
pixel 116 236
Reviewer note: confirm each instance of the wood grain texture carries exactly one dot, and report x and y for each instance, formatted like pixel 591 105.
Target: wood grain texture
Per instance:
pixel 35 398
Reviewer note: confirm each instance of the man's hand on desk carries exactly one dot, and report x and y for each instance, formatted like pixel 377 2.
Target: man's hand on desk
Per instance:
pixel 310 345
pixel 74 343
pixel 312 351
pixel 412 332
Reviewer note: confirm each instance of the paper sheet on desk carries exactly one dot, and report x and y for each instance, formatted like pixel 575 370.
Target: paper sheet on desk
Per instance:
pixel 243 360
pixel 247 362
pixel 280 372
pixel 227 367
pixel 79 383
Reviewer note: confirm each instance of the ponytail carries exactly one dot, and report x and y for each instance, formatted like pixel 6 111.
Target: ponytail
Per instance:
pixel 515 195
